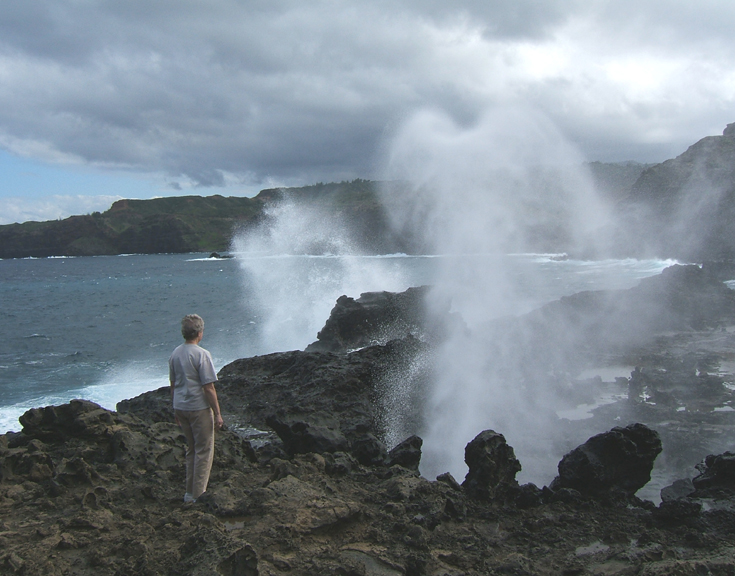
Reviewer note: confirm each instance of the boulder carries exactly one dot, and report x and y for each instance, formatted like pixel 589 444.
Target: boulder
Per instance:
pixel 368 450
pixel 78 418
pixel 374 318
pixel 407 453
pixel 300 437
pixel 492 466
pixel 716 471
pixel 618 460
pixel 678 490
pixel 153 406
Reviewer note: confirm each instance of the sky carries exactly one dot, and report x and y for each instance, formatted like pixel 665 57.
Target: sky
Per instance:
pixel 102 99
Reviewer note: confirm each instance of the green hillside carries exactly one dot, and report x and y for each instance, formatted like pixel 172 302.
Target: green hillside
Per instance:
pixel 181 224
pixel 188 223
pixel 682 208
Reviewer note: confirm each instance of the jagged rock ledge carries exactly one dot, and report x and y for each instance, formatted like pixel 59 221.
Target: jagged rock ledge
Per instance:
pixel 303 482
pixel 88 491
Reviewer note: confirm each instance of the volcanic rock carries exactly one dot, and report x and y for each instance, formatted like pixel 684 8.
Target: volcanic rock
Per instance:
pixel 91 492
pixel 368 450
pixel 407 453
pixel 375 318
pixel 107 499
pixel 677 490
pixel 492 466
pixel 154 406
pixel 300 437
pixel 716 470
pixel 77 418
pixel 618 460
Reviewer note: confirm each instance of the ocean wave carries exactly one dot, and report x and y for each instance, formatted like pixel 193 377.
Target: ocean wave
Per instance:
pixel 116 387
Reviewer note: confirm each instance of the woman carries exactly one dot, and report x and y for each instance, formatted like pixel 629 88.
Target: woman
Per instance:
pixel 192 377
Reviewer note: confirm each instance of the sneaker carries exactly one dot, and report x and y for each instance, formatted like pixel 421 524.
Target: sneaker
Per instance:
pixel 189 499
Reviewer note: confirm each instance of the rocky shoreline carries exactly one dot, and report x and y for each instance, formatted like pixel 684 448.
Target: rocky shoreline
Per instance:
pixel 307 480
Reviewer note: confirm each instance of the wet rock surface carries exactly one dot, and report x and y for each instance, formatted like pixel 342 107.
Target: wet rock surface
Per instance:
pixel 109 501
pixel 492 466
pixel 618 460
pixel 307 481
pixel 374 318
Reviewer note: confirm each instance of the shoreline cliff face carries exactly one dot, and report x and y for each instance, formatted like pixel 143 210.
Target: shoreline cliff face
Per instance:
pixel 304 481
pixel 161 225
pixel 196 224
pixel 685 207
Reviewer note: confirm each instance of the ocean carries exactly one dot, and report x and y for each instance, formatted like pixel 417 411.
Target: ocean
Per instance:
pixel 102 328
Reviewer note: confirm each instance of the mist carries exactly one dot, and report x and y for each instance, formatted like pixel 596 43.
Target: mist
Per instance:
pixel 473 194
pixel 295 264
pixel 507 183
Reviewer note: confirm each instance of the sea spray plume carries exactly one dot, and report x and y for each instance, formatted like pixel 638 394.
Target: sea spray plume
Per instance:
pixel 400 396
pixel 296 262
pixel 508 183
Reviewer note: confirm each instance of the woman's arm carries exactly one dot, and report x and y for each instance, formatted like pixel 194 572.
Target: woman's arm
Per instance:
pixel 211 395
pixel 172 400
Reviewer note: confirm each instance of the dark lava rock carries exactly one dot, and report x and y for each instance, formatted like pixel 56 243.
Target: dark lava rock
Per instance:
pixel 677 510
pixel 374 318
pixel 154 406
pixel 679 489
pixel 716 470
pixel 77 418
pixel 300 437
pixel 368 450
pixel 618 460
pixel 339 463
pixel 336 391
pixel 407 453
pixel 492 466
pixel 449 480
pixel 529 496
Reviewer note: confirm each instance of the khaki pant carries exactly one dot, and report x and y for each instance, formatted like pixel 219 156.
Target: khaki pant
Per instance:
pixel 198 427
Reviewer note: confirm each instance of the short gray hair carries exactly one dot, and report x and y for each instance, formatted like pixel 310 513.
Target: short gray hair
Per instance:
pixel 191 325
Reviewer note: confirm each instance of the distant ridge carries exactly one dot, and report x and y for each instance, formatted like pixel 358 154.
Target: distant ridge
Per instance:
pixel 683 208
pixel 188 223
pixel 182 224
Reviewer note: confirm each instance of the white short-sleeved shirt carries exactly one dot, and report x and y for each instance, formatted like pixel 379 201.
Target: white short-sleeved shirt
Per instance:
pixel 190 368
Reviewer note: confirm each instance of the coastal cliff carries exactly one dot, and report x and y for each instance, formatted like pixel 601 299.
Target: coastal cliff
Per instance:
pixel 685 207
pixel 160 225
pixel 194 223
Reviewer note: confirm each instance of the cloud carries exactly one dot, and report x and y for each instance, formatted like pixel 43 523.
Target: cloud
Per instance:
pixel 297 92
pixel 55 207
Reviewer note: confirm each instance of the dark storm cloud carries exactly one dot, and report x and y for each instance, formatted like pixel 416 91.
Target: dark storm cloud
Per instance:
pixel 246 91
